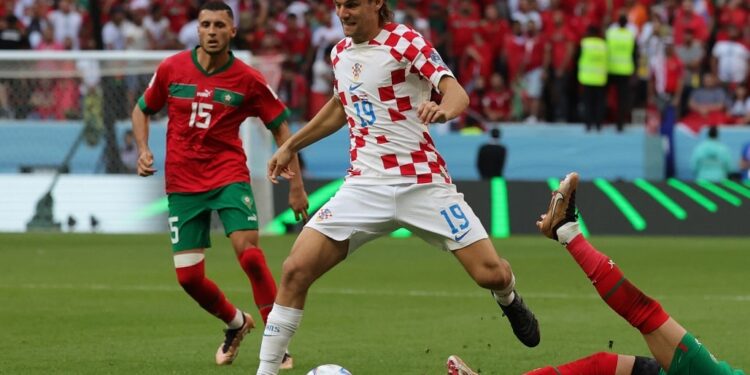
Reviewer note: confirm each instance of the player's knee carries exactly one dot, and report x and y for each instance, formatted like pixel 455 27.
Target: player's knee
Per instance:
pixel 189 277
pixel 295 276
pixel 494 275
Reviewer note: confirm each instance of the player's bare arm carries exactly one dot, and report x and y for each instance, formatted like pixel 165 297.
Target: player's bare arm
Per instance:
pixel 329 119
pixel 140 124
pixel 297 195
pixel 455 100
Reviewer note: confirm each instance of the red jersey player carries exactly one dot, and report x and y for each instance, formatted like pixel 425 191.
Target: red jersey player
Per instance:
pixel 208 94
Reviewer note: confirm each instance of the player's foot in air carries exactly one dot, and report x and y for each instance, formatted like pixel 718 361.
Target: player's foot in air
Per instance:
pixel 287 363
pixel 562 207
pixel 456 366
pixel 229 349
pixel 522 320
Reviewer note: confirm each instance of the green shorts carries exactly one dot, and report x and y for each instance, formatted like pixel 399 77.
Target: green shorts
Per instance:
pixel 691 357
pixel 190 214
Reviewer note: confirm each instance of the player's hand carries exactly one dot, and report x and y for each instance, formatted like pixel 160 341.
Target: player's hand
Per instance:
pixel 146 163
pixel 430 112
pixel 278 165
pixel 298 203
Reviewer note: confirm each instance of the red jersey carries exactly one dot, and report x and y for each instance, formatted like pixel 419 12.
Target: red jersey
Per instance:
pixel 204 150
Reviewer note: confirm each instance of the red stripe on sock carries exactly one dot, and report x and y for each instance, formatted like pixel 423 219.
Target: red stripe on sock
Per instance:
pixel 205 292
pixel 622 296
pixel 254 264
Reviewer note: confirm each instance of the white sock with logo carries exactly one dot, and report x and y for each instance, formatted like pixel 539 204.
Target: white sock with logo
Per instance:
pixel 505 297
pixel 281 325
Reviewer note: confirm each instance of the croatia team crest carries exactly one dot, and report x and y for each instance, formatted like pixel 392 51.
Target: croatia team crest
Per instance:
pixel 324 214
pixel 356 71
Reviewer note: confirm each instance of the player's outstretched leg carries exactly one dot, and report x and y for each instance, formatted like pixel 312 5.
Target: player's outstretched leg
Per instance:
pixel 603 363
pixel 560 223
pixel 190 268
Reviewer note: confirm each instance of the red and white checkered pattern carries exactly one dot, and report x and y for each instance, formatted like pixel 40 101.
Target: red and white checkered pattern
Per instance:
pixel 381 83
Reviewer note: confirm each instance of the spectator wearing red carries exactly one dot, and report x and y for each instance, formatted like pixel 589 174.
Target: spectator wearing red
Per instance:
pixel 494 29
pixel 685 18
pixel 462 25
pixel 561 46
pixel 666 81
pixel 293 90
pixel 732 13
pixel 497 100
pixel 514 50
pixel 297 40
pixel 476 60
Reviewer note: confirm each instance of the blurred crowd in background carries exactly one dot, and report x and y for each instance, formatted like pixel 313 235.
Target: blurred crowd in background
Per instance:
pixel 519 60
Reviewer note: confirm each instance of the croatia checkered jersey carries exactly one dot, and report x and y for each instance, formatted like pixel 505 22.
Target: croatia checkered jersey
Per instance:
pixel 380 84
pixel 205 111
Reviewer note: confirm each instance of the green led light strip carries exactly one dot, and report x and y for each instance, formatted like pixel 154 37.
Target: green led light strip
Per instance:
pixel 554 183
pixel 739 189
pixel 157 207
pixel 662 198
pixel 693 194
pixel 499 214
pixel 719 192
pixel 315 200
pixel 622 203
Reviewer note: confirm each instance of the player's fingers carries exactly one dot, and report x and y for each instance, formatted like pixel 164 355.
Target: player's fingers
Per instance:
pixel 305 215
pixel 420 109
pixel 436 116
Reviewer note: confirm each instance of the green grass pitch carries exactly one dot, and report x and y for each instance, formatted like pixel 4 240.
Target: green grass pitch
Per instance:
pixel 105 304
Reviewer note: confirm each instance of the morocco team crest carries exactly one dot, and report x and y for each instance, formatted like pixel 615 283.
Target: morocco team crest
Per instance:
pixel 248 201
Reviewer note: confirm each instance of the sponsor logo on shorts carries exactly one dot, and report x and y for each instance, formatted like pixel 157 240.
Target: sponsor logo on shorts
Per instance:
pixel 324 214
pixel 252 217
pixel 460 237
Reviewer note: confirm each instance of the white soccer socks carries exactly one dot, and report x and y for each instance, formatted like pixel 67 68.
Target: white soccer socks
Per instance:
pixel 505 297
pixel 567 232
pixel 281 325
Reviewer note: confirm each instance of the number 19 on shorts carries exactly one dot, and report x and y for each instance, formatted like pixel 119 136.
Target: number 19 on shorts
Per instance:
pixel 455 217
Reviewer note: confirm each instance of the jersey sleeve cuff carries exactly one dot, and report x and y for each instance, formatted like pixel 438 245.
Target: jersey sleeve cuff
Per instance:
pixel 438 76
pixel 279 119
pixel 144 108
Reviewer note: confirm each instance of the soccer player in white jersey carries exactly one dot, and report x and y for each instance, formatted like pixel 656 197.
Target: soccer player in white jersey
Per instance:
pixel 384 75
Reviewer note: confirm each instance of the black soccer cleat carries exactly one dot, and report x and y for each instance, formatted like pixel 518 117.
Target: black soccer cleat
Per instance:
pixel 523 321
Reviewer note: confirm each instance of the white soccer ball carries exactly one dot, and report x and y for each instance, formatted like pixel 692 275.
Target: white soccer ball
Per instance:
pixel 329 370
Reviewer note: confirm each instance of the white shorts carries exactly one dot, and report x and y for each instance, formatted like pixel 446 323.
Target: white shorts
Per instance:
pixel 533 83
pixel 437 213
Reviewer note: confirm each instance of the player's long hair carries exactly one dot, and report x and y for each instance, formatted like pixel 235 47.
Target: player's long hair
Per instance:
pixel 385 13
